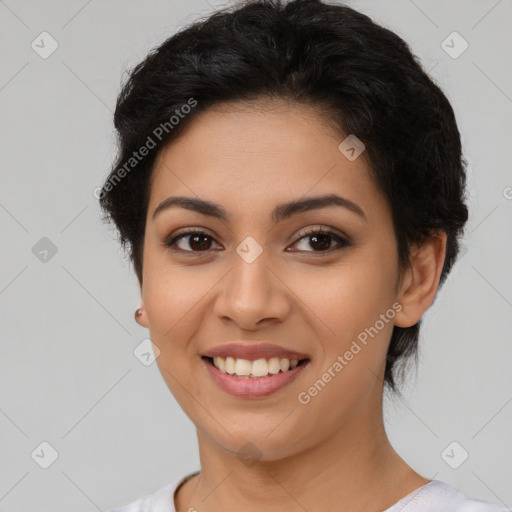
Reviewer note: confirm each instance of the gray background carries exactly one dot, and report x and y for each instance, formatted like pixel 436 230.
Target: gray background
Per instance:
pixel 69 376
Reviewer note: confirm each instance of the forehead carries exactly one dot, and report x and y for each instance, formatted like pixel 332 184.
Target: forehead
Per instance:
pixel 258 153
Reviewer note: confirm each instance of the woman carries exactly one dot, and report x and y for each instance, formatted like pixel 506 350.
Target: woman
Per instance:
pixel 290 186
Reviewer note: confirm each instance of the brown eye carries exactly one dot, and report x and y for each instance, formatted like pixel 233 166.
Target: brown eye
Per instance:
pixel 199 242
pixel 196 241
pixel 320 240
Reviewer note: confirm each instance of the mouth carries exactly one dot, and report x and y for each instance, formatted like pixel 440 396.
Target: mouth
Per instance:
pixel 244 378
pixel 255 369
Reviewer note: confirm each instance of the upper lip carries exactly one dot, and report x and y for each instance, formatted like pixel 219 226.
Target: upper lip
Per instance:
pixel 253 351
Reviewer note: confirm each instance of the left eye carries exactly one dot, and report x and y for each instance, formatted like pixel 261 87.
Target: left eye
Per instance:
pixel 322 239
pixel 319 239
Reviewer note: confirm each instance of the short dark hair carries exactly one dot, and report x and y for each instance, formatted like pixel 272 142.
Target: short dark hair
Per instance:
pixel 360 76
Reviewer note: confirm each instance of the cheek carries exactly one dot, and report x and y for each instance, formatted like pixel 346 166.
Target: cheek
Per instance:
pixel 171 293
pixel 355 345
pixel 351 303
pixel 349 297
pixel 174 307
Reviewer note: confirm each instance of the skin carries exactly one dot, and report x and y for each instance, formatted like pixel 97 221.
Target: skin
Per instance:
pixel 333 450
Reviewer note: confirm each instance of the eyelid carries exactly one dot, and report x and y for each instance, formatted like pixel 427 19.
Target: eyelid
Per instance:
pixel 342 239
pixel 171 240
pixel 328 230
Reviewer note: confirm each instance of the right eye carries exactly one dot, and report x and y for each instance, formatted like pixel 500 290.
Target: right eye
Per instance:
pixel 198 240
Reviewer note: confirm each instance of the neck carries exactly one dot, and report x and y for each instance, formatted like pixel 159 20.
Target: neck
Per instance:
pixel 356 467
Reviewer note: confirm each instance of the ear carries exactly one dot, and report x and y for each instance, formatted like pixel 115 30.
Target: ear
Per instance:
pixel 142 319
pixel 420 281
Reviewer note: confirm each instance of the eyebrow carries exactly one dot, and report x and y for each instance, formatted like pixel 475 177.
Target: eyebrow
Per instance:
pixel 280 212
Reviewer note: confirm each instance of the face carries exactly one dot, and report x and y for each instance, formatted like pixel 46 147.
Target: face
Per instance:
pixel 320 281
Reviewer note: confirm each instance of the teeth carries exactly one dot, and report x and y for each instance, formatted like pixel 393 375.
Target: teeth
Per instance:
pixel 258 368
pixel 229 366
pixel 243 367
pixel 253 369
pixel 284 364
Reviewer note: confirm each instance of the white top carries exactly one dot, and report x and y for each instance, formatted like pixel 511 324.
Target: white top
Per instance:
pixel 435 496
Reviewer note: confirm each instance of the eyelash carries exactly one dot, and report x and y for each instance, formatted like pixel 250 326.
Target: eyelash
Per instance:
pixel 343 242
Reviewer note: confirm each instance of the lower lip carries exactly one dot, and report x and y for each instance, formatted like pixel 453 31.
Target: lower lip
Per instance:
pixel 251 388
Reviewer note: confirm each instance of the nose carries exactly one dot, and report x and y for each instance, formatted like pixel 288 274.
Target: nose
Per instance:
pixel 253 294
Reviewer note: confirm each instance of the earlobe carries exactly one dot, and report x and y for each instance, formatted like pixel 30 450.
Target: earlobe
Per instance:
pixel 421 280
pixel 141 317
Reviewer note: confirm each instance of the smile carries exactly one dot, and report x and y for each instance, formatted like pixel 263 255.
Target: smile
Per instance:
pixel 257 378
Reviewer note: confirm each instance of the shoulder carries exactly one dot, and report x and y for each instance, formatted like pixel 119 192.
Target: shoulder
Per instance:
pixel 161 500
pixel 438 496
